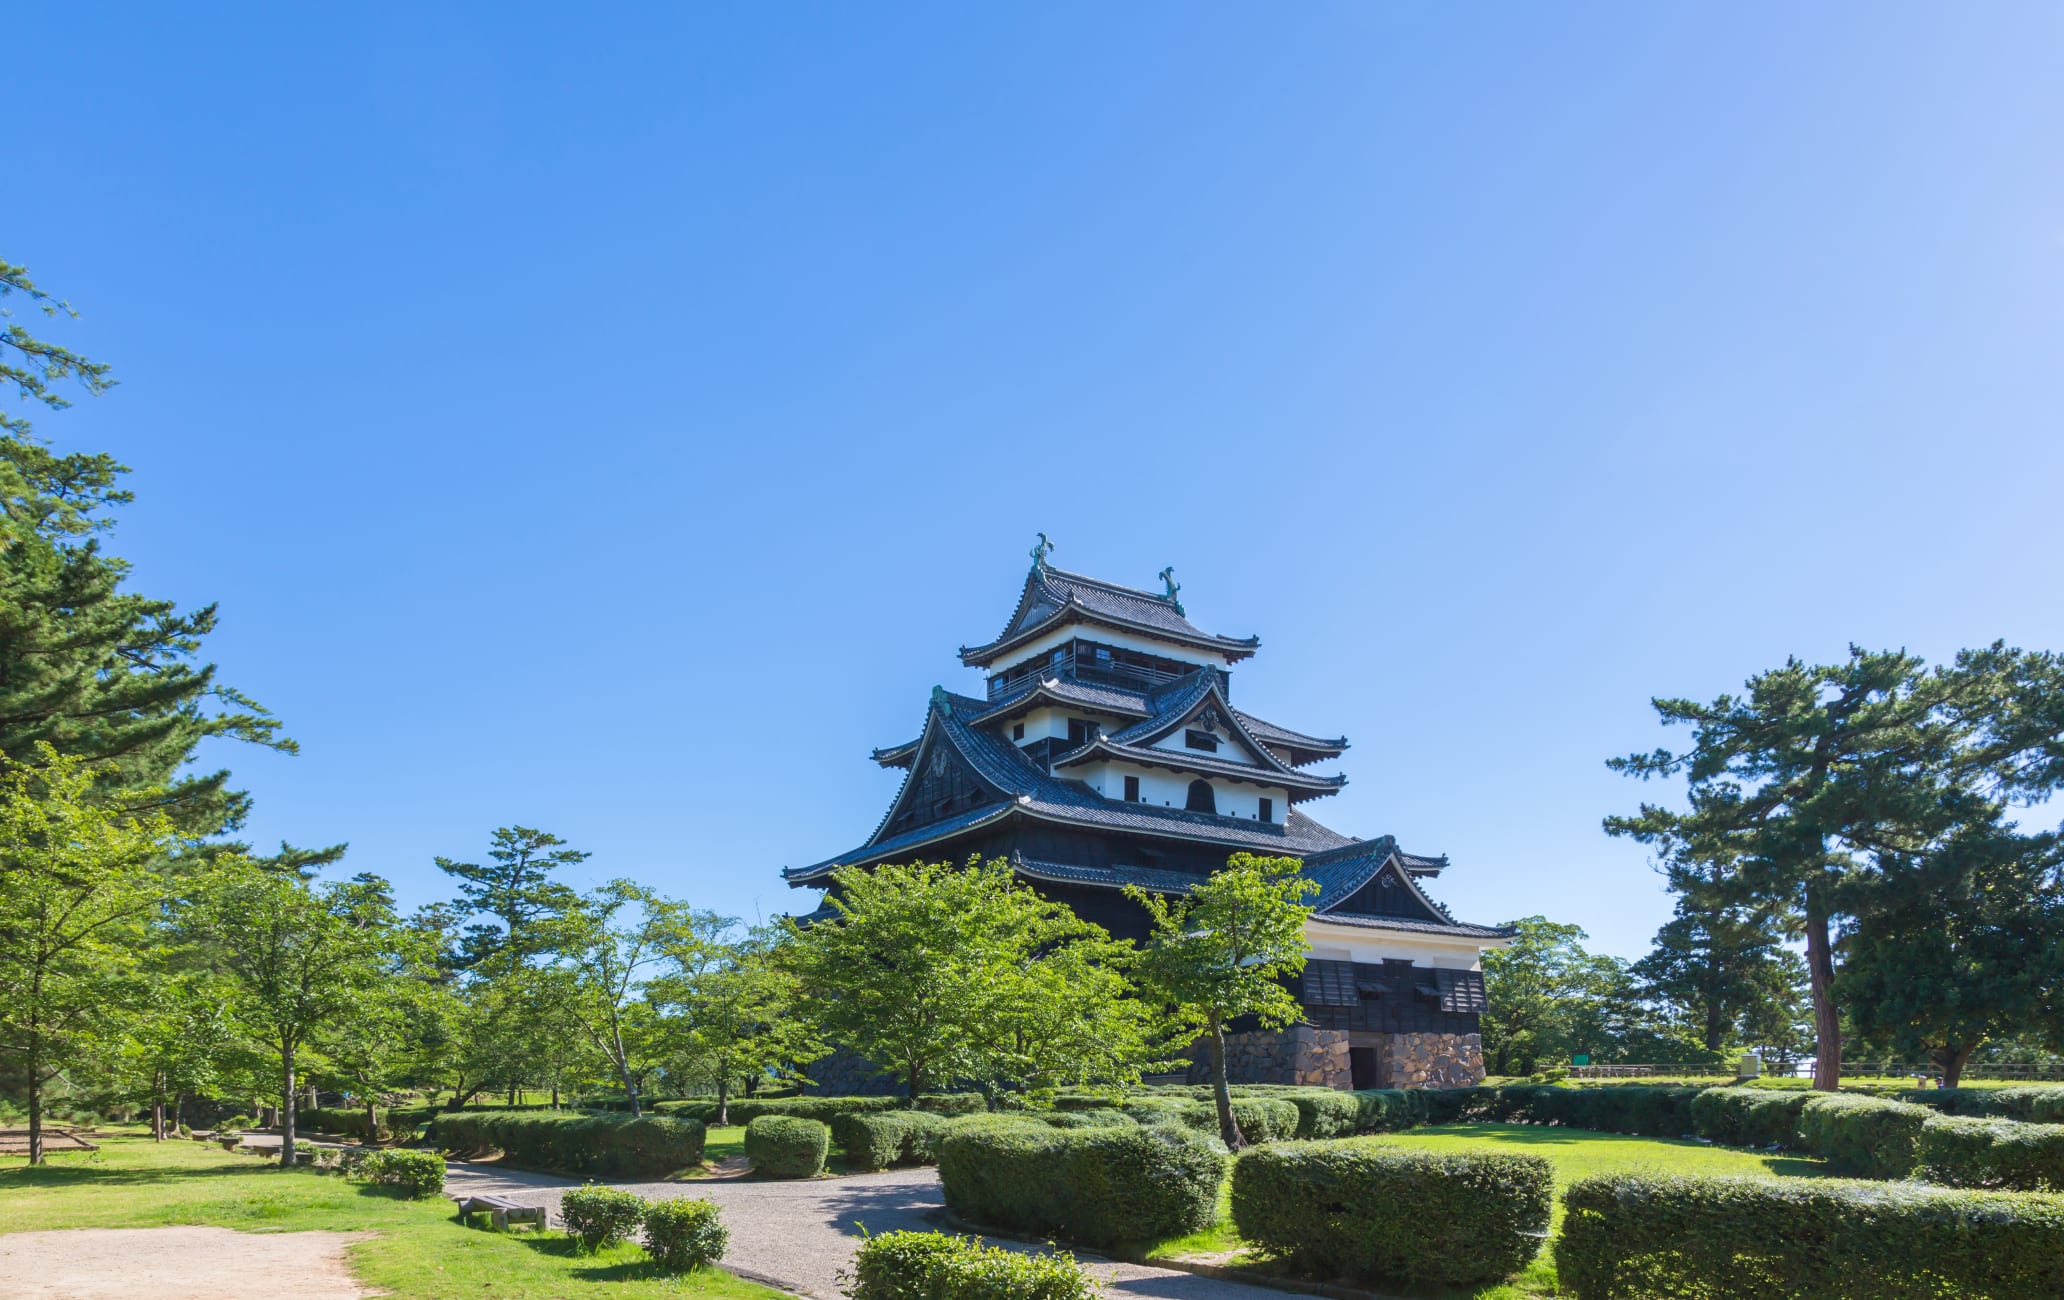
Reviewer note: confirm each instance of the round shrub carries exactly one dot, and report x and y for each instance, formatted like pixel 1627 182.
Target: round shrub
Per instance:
pixel 786 1146
pixel 684 1235
pixel 1640 1236
pixel 933 1266
pixel 412 1173
pixel 878 1139
pixel 1361 1208
pixel 1862 1135
pixel 1748 1117
pixel 1099 1186
pixel 1261 1119
pixel 1324 1112
pixel 600 1216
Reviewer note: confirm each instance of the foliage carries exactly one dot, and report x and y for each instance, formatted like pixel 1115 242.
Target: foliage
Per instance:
pixel 1720 972
pixel 785 1146
pixel 78 883
pixel 876 1140
pixel 683 1235
pixel 1222 953
pixel 514 894
pixel 1868 1136
pixel 1545 997
pixel 731 1008
pixel 600 1216
pixel 1749 1117
pixel 1361 1209
pixel 607 941
pixel 943 972
pixel 933 1266
pixel 1098 1187
pixel 2002 1153
pixel 609 1145
pixel 823 1109
pixel 1643 1236
pixel 414 1173
pixel 1822 779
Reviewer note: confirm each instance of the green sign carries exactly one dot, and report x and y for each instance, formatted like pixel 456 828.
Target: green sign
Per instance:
pixel 1580 1059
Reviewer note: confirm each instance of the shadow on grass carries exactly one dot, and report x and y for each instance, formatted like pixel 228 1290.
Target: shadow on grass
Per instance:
pixel 86 1174
pixel 1549 1135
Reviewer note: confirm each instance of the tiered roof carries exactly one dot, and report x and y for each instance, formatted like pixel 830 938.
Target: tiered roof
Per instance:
pixel 998 781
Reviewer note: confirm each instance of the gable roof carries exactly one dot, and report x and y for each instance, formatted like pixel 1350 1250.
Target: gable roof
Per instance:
pixel 1203 696
pixel 1053 598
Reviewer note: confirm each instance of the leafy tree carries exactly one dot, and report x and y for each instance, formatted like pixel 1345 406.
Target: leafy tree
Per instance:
pixel 939 971
pixel 1799 786
pixel 86 666
pixel 79 882
pixel 379 1041
pixel 1963 945
pixel 609 940
pixel 176 1042
pixel 302 957
pixel 1223 951
pixel 514 891
pixel 730 1006
pixel 1546 997
pixel 1714 968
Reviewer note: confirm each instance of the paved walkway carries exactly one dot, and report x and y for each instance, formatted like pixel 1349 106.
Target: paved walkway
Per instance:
pixel 798 1234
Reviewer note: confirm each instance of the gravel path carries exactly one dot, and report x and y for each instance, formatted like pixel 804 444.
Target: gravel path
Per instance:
pixel 797 1235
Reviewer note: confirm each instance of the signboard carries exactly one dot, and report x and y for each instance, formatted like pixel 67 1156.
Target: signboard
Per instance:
pixel 1580 1059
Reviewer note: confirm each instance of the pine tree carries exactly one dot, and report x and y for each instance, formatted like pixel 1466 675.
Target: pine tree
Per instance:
pixel 514 891
pixel 1713 968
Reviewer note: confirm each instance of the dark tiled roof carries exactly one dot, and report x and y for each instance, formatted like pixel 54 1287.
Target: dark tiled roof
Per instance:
pixel 1193 761
pixel 1460 929
pixel 1268 733
pixel 1154 878
pixel 1066 690
pixel 1050 595
pixel 1203 692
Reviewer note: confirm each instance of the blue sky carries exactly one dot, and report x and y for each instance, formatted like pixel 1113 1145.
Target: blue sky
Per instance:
pixel 611 420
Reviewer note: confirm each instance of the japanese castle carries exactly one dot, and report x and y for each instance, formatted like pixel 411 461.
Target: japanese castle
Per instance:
pixel 1105 751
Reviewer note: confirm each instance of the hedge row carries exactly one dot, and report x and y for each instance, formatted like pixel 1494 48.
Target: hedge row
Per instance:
pixel 2031 1104
pixel 1872 1137
pixel 1362 1209
pixel 822 1109
pixel 933 1266
pixel 1648 1236
pixel 573 1143
pixel 1097 1186
pixel 878 1139
pixel 1748 1117
pixel 341 1122
pixel 787 1146
pixel 2002 1153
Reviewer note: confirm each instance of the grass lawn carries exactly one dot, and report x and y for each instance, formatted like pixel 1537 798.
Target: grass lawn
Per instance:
pixel 1575 1153
pixel 421 1253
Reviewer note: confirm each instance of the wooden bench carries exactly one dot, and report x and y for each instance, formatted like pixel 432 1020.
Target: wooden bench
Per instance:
pixel 503 1210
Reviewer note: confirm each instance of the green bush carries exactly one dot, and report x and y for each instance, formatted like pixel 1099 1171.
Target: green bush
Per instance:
pixel 822 1109
pixel 413 1173
pixel 953 1103
pixel 341 1122
pixel 1083 1118
pixel 1657 1237
pixel 787 1146
pixel 1099 1187
pixel 1867 1136
pixel 617 1145
pixel 2034 1105
pixel 2004 1153
pixel 600 1216
pixel 1324 1112
pixel 878 1139
pixel 1360 1208
pixel 933 1266
pixel 684 1235
pixel 1387 1110
pixel 1748 1117
pixel 1261 1119
pixel 1159 1110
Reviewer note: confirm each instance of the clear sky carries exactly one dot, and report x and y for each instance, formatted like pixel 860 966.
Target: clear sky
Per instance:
pixel 611 418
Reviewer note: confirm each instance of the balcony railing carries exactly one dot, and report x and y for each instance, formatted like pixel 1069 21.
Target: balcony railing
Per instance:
pixel 1090 668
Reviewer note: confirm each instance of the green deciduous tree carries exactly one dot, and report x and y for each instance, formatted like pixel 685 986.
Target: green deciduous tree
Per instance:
pixel 301 957
pixel 1222 952
pixel 729 1007
pixel 607 944
pixel 1547 997
pixel 79 884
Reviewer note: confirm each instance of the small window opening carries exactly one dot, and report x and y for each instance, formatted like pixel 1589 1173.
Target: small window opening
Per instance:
pixel 1017 731
pixel 1268 810
pixel 1081 731
pixel 1201 799
pixel 1203 740
pixel 1132 789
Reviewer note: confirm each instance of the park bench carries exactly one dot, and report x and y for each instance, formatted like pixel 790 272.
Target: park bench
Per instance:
pixel 503 1210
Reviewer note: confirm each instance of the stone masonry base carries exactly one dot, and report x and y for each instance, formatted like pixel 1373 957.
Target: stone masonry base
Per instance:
pixel 1313 1057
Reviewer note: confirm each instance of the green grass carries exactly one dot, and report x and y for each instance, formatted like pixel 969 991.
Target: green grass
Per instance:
pixel 724 1143
pixel 421 1251
pixel 1574 1153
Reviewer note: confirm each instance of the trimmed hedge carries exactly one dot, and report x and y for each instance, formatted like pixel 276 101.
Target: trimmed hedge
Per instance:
pixel 412 1173
pixel 684 1235
pixel 600 1216
pixel 933 1266
pixel 1261 1119
pixel 2003 1153
pixel 341 1122
pixel 1658 1237
pixel 787 1146
pixel 1868 1136
pixel 1388 1110
pixel 879 1139
pixel 1361 1208
pixel 824 1109
pixel 1749 1117
pixel 1099 1186
pixel 573 1143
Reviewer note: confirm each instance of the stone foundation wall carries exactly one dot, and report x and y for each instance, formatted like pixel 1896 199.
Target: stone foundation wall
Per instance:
pixel 1435 1060
pixel 1297 1055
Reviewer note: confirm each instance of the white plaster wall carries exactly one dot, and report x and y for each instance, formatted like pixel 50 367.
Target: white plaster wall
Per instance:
pixel 1229 749
pixel 1172 790
pixel 1353 943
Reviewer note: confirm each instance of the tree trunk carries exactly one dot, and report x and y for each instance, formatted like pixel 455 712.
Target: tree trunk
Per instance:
pixel 1228 1127
pixel 35 1081
pixel 178 1111
pixel 1953 1059
pixel 512 1096
pixel 555 1094
pixel 1820 970
pixel 287 1099
pixel 157 1118
pixel 916 1083
pixel 460 1095
pixel 723 1102
pixel 372 1121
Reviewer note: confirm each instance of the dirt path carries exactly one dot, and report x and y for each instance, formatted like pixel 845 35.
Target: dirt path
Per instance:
pixel 176 1264
pixel 798 1235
